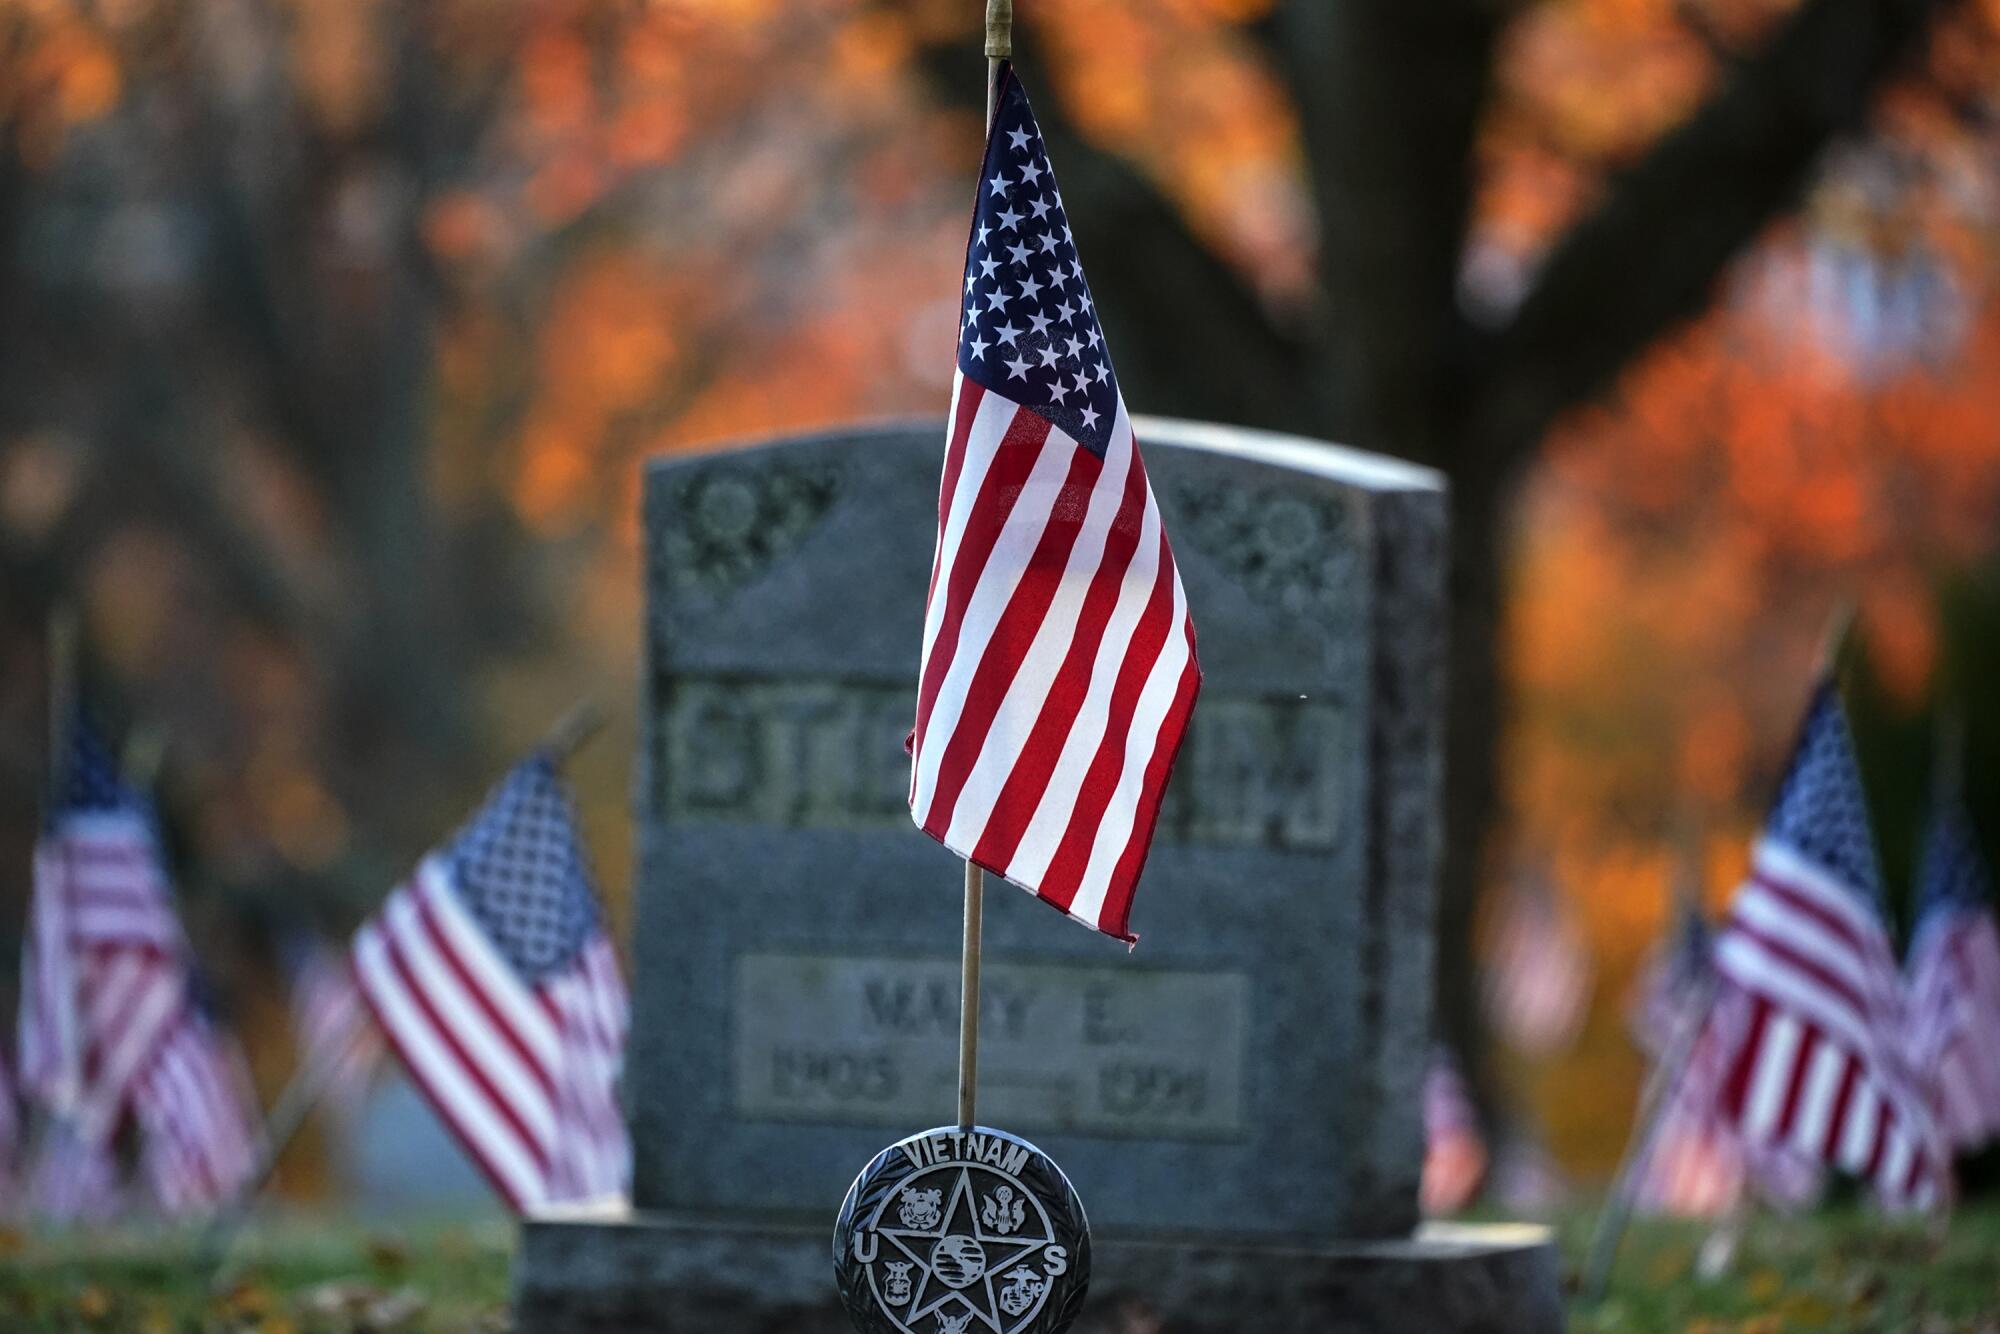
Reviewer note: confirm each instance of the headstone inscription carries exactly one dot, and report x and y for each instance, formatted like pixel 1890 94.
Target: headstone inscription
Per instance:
pixel 796 997
pixel 1237 1103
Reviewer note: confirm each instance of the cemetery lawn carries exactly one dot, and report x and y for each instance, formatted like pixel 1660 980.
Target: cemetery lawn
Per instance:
pixel 1838 1272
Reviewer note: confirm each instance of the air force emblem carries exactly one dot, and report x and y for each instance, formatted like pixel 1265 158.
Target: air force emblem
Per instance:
pixel 962 1232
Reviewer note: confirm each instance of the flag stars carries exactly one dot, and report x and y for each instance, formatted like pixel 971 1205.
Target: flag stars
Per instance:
pixel 1018 252
pixel 1068 312
pixel 987 267
pixel 1000 184
pixel 1007 333
pixel 1040 208
pixel 1020 139
pixel 1090 416
pixel 1030 287
pixel 1032 172
pixel 1040 322
pixel 977 348
pixel 1018 366
pixel 1046 241
pixel 1048 359
pixel 1010 221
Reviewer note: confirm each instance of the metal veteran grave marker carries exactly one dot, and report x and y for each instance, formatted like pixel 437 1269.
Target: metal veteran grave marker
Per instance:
pixel 1253 1070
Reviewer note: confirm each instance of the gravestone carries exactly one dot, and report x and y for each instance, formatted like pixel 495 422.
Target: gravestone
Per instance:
pixel 1239 1098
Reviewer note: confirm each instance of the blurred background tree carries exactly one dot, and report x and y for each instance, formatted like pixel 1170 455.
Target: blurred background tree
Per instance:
pixel 332 333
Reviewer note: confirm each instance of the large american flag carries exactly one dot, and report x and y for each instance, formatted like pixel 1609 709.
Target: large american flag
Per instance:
pixel 105 975
pixel 1954 972
pixel 196 1114
pixel 1818 1068
pixel 492 978
pixel 1058 657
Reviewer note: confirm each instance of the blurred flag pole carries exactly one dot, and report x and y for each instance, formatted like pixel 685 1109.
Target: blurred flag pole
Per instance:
pixel 1616 1215
pixel 309 1085
pixel 52 1119
pixel 999 48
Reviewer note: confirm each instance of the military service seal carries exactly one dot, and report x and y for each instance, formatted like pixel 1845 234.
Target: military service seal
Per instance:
pixel 962 1232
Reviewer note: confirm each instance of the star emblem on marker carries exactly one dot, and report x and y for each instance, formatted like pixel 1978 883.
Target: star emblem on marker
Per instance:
pixel 957 1260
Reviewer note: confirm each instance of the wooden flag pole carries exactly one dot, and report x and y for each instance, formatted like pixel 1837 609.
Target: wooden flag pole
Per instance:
pixel 570 733
pixel 999 48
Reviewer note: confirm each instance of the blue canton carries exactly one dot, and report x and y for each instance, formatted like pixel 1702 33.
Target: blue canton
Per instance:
pixel 1951 871
pixel 90 779
pixel 521 871
pixel 1028 327
pixel 1821 811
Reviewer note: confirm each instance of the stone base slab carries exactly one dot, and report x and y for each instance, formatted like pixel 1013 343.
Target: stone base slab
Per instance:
pixel 657 1273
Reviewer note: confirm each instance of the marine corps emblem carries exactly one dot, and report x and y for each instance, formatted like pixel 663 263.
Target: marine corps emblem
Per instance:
pixel 962 1232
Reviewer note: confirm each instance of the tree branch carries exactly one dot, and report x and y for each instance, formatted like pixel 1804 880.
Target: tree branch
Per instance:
pixel 1650 257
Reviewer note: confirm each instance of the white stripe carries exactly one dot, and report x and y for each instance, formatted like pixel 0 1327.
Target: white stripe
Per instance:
pixel 1787 865
pixel 989 427
pixel 1044 833
pixel 1777 1057
pixel 1864 1111
pixel 1818 1095
pixel 1023 530
pixel 458 1011
pixel 1022 706
pixel 494 977
pixel 462 1104
pixel 1142 740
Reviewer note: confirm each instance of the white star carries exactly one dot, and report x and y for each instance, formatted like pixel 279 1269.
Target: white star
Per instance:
pixel 1089 417
pixel 1040 208
pixel 1076 384
pixel 1057 392
pixel 977 347
pixel 969 281
pixel 982 233
pixel 1067 236
pixel 1084 300
pixel 1041 322
pixel 987 266
pixel 1096 337
pixel 1019 252
pixel 995 300
pixel 1073 346
pixel 1048 357
pixel 1009 219
pixel 1046 242
pixel 1030 286
pixel 1031 173
pixel 999 184
pixel 1102 373
pixel 1018 367
pixel 1068 311
pixel 1007 333
pixel 1020 138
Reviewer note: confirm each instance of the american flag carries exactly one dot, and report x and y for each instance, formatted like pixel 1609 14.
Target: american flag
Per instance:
pixel 1537 977
pixel 106 966
pixel 335 1035
pixel 197 1118
pixel 492 978
pixel 1954 972
pixel 1818 1069
pixel 1454 1149
pixel 1059 656
pixel 1694 1165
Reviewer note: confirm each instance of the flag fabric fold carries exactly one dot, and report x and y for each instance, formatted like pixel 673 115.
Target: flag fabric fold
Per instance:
pixel 492 978
pixel 1058 670
pixel 1954 980
pixel 1819 1068
pixel 196 1114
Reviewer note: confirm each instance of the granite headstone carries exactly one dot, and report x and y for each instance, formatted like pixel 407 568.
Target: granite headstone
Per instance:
pixel 1250 1076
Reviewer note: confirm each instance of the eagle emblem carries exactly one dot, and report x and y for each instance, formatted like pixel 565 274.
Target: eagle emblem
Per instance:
pixel 920 1209
pixel 953 1324
pixel 1003 1212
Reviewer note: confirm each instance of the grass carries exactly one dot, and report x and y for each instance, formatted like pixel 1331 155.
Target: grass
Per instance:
pixel 1838 1271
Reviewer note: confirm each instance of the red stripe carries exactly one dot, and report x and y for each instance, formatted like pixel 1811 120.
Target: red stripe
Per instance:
pixel 494 1018
pixel 1000 658
pixel 970 392
pixel 1736 1085
pixel 1022 791
pixel 1788 1115
pixel 1013 462
pixel 1100 781
pixel 1836 1126
pixel 1113 919
pixel 1884 1114
pixel 421 999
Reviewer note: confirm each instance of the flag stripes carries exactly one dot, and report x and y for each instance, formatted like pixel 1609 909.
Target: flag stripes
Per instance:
pixel 1058 663
pixel 193 1104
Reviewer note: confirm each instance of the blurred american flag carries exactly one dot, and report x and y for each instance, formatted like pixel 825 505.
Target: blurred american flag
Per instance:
pixel 1954 972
